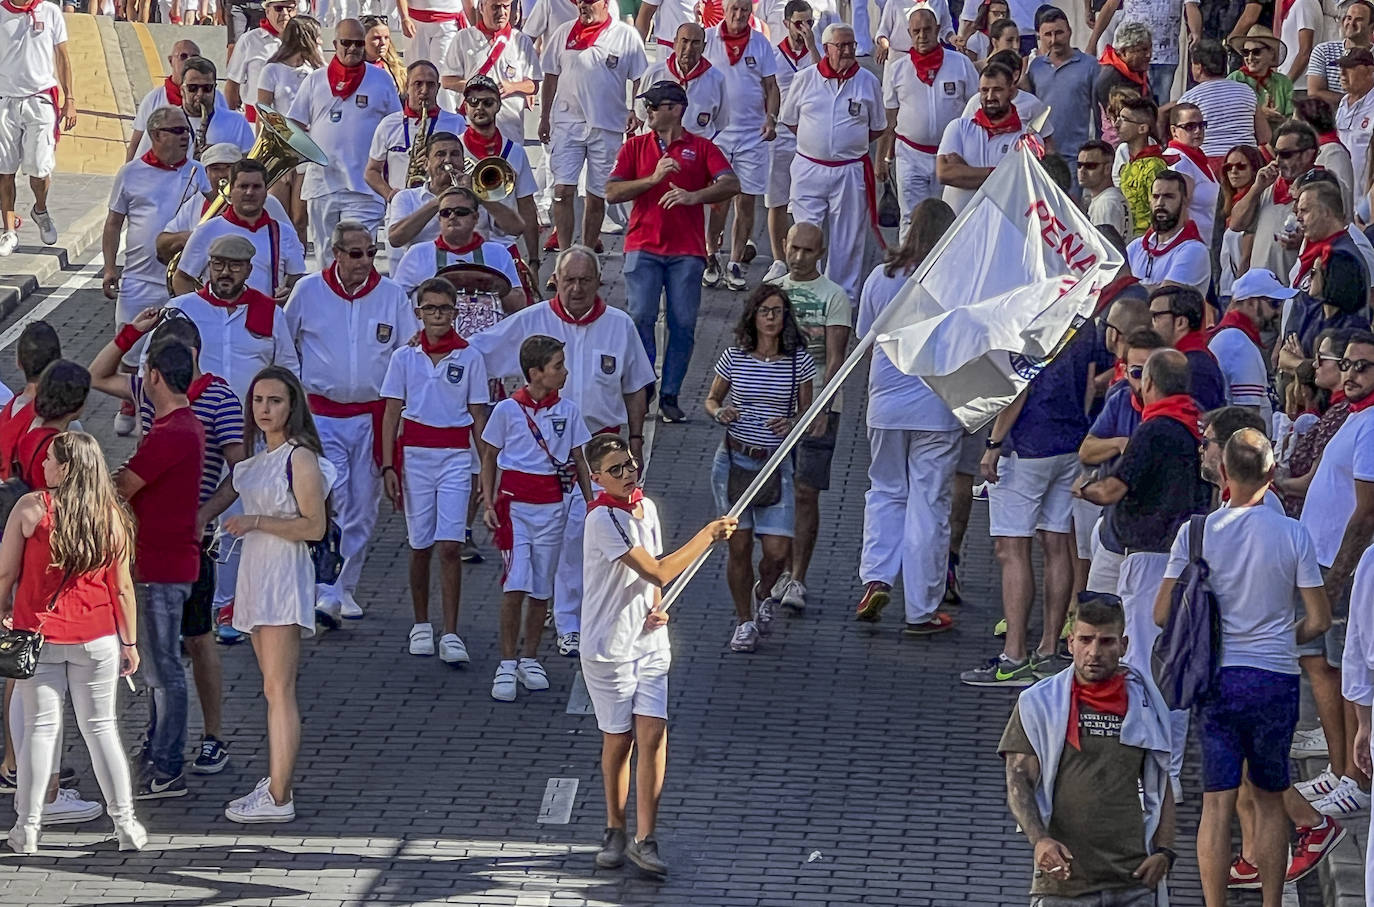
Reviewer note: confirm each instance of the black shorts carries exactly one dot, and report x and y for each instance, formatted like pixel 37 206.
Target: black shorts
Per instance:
pixel 241 18
pixel 814 456
pixel 197 615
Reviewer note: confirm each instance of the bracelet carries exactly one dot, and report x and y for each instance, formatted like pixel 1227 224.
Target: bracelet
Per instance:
pixel 385 468
pixel 1168 853
pixel 130 645
pixel 127 337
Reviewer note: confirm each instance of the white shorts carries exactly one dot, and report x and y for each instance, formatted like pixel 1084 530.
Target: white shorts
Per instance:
pixel 750 163
pixel 1105 573
pixel 436 485
pixel 1032 494
pixel 569 151
pixel 619 690
pixel 27 140
pixel 1085 517
pixel 780 153
pixel 538 539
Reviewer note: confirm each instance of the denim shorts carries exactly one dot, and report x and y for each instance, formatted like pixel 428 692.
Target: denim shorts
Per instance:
pixel 1248 718
pixel 776 520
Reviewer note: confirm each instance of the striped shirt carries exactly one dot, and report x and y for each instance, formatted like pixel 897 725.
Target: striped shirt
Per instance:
pixel 220 413
pixel 762 391
pixel 1229 111
pixel 1323 65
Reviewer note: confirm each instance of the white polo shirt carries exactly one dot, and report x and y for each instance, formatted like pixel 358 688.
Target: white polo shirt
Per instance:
pixel 424 259
pixel 408 201
pixel 896 17
pixel 833 117
pixel 971 142
pixel 229 350
pixel 270 266
pixel 786 69
pixel 513 153
pixel 149 197
pixel 225 126
pixel 707 110
pixel 743 86
pixel 395 135
pixel 251 53
pixel 561 426
pixel 670 15
pixel 1348 458
pixel 605 358
pixel 470 54
pixel 342 127
pixel 923 111
pixel 1202 198
pixel 591 83
pixel 437 394
pixel 1182 260
pixel 1355 124
pixel 615 599
pixel 345 345
pixel 28 63
pixel 1027 105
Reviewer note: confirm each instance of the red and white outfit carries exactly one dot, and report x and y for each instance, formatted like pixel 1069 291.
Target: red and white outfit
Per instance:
pixel 408 201
pixel 225 126
pixel 512 152
pixel 168 94
pixel 437 23
pixel 435 457
pixel 278 249
pixel 786 64
pixel 832 174
pixel 346 338
pixel 594 64
pixel 669 15
pixel 425 259
pixel 747 62
pixel 251 53
pixel 29 103
pixel 1182 259
pixel 341 107
pixel 397 132
pixel 895 20
pixel 929 92
pixel 505 56
pixel 981 143
pixel 707 110
pixel 239 339
pixel 1202 194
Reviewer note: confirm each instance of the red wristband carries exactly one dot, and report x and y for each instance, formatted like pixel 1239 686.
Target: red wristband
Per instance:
pixel 127 337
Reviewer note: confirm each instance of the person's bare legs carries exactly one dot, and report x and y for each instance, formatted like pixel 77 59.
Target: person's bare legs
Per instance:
pixel 450 581
pixel 209 679
pixel 1271 844
pixel 779 222
pixel 715 226
pixel 651 739
pixel 7 200
pixel 510 623
pixel 1326 692
pixel 615 774
pixel 960 507
pixel 593 215
pixel 805 526
pixel 564 211
pixel 1057 548
pixel 535 612
pixel 420 559
pixel 739 573
pixel 1018 588
pixel 1214 845
pixel 39 186
pixel 279 650
pixel 745 206
pixel 776 554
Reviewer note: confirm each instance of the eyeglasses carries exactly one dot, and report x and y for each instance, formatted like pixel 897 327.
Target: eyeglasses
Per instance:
pixel 1135 372
pixel 1358 366
pixel 1290 153
pixel 1162 313
pixel 1232 168
pixel 1320 358
pixel 844 45
pixel 348 43
pixel 1252 52
pixel 355 254
pixel 224 264
pixel 483 102
pixel 588 2
pixel 283 7
pixel 617 470
pixel 197 89
pixel 456 212
pixel 1123 120
pixel 1192 127
pixel 1090 165
pixel 445 309
pixel 770 311
pixel 174 130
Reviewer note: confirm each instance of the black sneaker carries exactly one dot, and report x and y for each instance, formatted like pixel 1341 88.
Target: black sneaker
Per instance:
pixel 213 758
pixel 952 593
pixel 471 554
pixel 644 854
pixel 1048 665
pixel 669 411
pixel 154 788
pixel 612 852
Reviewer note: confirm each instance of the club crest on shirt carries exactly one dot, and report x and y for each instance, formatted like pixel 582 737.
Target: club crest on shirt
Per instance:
pixel 703 119
pixel 38 27
pixel 855 108
pixel 335 116
pixel 612 61
pixel 383 333
pixel 949 87
pixel 455 373
pixel 607 365
pixel 509 71
pixel 559 426
pixel 360 100
pixel 750 61
pixel 1364 124
pixel 690 154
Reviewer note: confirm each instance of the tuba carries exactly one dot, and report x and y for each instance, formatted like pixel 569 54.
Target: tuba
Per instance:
pixel 281 146
pixel 493 178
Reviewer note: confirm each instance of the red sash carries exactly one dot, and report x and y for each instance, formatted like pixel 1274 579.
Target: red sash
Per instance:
pixel 527 488
pixel 434 15
pixel 323 406
pixel 870 183
pixel 498 47
pixel 927 149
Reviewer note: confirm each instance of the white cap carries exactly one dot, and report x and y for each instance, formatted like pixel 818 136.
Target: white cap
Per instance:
pixel 222 153
pixel 1260 282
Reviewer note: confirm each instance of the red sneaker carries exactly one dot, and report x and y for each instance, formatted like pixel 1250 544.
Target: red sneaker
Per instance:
pixel 551 244
pixel 1243 875
pixel 876 597
pixel 1313 845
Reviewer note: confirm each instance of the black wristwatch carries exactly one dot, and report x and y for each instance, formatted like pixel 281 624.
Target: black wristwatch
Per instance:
pixel 993 445
pixel 1169 855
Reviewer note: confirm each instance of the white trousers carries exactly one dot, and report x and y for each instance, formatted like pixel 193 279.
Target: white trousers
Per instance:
pixel 1142 573
pixel 326 211
pixel 91 672
pixel 431 42
pixel 357 491
pixel 915 180
pixel 832 198
pixel 906 513
pixel 567 581
pixel 1104 574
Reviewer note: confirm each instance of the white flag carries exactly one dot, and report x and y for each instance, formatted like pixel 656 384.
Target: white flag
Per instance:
pixel 992 304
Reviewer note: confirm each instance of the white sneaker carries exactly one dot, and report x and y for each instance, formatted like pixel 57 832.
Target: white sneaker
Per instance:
pixel 9 241
pixel 47 230
pixel 531 675
pixel 350 609
pixel 422 640
pixel 131 835
pixel 261 785
pixel 503 685
pixel 793 595
pixel 745 638
pixel 1309 744
pixel 260 808
pixel 329 613
pixel 776 271
pixel 1320 786
pixel 763 614
pixel 452 651
pixel 1346 800
pixel 23 840
pixel 780 586
pixel 124 424
pixel 570 644
pixel 69 809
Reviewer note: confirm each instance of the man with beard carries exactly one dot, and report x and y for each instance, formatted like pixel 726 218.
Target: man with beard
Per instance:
pixel 1177 314
pixel 210 120
pixel 973 146
pixel 166 94
pixel 492 47
pixel 1172 250
pixel 1256 303
pixel 1332 273
pixel 1264 211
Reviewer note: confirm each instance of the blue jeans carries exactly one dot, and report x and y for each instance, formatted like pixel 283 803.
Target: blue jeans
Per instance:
pixel 1162 80
pixel 679 278
pixel 161 606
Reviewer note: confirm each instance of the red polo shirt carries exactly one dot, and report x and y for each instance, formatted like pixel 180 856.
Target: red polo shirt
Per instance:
pixel 680 230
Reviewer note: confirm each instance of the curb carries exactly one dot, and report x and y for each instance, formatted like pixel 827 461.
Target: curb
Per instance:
pixel 51 260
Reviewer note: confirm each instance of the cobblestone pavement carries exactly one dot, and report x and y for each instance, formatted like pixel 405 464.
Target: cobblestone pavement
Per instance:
pixel 840 764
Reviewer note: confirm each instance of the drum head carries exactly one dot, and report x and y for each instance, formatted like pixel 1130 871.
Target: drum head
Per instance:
pixel 468 279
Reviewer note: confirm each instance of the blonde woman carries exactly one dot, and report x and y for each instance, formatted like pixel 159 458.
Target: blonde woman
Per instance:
pixel 381 52
pixel 299 55
pixel 65 556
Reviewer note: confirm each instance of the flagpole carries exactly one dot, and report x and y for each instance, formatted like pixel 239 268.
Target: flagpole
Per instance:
pixel 775 461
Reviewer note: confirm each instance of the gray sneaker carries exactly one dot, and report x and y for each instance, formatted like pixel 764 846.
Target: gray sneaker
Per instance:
pixel 1048 665
pixel 1000 672
pixel 644 854
pixel 47 230
pixel 612 852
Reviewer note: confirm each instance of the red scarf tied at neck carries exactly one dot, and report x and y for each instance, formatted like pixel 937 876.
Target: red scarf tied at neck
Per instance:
pixel 1149 242
pixel 735 45
pixel 1193 342
pixel 253 226
pixel 173 91
pixel 428 114
pixel 1314 251
pixel 444 345
pixel 584 35
pixel 1179 407
pixel 1195 155
pixel 1005 126
pixel 1111 58
pixel 683 78
pixel 523 397
pixel 1243 322
pixel 828 71
pixel 927 64
pixel 1329 138
pixel 596 311
pixel 261 308
pixel 20 8
pixel 1107 697
pixel 1361 404
pixel 344 80
pixel 493 34
pixel 481 146
pixel 331 280
pixel 1337 396
pixel 268 27
pixel 785 45
pixel 198 386
pixel 1261 81
pixel 605 500
pixel 1283 190
pixel 152 160
pixel 477 240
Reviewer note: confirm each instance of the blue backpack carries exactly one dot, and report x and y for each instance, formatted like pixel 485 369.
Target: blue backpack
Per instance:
pixel 1187 656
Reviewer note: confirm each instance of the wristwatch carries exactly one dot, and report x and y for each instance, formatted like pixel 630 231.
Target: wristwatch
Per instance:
pixel 993 445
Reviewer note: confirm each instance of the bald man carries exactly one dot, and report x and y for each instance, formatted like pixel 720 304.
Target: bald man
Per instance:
pixel 167 94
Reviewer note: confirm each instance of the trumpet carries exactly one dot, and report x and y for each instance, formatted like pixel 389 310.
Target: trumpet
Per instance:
pixel 493 178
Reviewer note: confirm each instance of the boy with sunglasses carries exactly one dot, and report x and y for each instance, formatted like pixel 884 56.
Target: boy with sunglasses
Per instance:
pixel 625 649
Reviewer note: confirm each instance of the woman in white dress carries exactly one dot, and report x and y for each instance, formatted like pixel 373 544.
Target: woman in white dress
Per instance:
pixel 283 487
pixel 300 54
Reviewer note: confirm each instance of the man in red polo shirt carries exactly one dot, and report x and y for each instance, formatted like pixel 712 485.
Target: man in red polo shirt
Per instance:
pixel 670 175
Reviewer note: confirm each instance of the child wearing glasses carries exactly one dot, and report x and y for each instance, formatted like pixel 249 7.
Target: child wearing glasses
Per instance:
pixel 625 650
pixel 436 397
pixel 534 437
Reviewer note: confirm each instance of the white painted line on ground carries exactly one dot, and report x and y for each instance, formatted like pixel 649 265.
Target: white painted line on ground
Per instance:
pixel 58 296
pixel 579 702
pixel 556 808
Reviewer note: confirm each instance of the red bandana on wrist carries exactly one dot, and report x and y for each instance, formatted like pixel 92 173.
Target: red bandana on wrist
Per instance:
pixel 583 35
pixel 1111 58
pixel 173 91
pixel 1147 242
pixel 1005 126
pixel 152 160
pixel 331 280
pixel 828 71
pixel 1312 252
pixel 927 64
pixel 444 345
pixel 596 311
pixel 1241 321
pixel 233 218
pixel 605 500
pixel 1179 407
pixel 464 249
pixel 1108 697
pixel 703 64
pixel 735 45
pixel 261 308
pixel 481 147
pixel 344 80
pixel 523 397
pixel 1196 156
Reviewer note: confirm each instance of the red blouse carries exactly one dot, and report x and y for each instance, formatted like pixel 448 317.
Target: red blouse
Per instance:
pixel 83 611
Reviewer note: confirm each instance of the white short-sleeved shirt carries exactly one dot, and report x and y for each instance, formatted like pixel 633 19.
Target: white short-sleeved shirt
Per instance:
pixel 1348 458
pixel 923 111
pixel 270 266
pixel 468 54
pixel 707 109
pixel 342 127
pixel 1229 109
pixel 408 201
pixel 149 198
pixel 1185 262
pixel 971 142
pixel 743 86
pixel 896 18
pixel 1109 208
pixel 283 83
pixel 424 259
pixel 561 426
pixel 1202 197
pixel 669 16
pixel 615 599
pixel 251 53
pixel 1355 124
pixel 1259 559
pixel 395 135
pixel 513 153
pixel 229 350
pixel 896 400
pixel 592 83
pixel 225 126
pixel 437 394
pixel 833 117
pixel 1242 364
pixel 1303 15
pixel 29 40
pixel 1028 107
pixel 786 69
pixel 344 345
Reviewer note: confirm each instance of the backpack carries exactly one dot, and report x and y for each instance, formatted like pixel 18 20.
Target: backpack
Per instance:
pixel 325 556
pixel 1187 655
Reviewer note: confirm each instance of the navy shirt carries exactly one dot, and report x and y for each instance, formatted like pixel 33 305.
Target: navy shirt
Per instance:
pixel 1118 418
pixel 1161 469
pixel 1068 90
pixel 1053 421
pixel 1207 383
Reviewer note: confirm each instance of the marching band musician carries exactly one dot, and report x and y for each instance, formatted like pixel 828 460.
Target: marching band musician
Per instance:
pixel 396 160
pixel 210 119
pixel 459 242
pixel 495 48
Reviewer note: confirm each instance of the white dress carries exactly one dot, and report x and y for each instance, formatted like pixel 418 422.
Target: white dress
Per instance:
pixel 276 584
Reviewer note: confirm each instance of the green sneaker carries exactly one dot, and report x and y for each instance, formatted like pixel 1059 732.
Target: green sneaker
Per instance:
pixel 1000 672
pixel 1000 628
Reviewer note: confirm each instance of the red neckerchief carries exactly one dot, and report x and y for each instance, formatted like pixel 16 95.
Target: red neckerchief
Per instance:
pixel 1111 58
pixel 1193 342
pixel 1108 696
pixel 493 34
pixel 1196 156
pixel 1109 293
pixel 1262 82
pixel 173 91
pixel 927 64
pixel 1150 150
pixel 583 36
pixel 1364 403
pixel 15 8
pixel 703 64
pixel 331 280
pixel 344 80
pixel 1312 252
pixel 605 500
pixel 596 311
pixel 444 345
pixel 735 45
pixel 232 216
pixel 268 27
pixel 1179 407
pixel 1005 126
pixel 429 114
pixel 828 72
pixel 482 147
pixel 464 249
pixel 152 160
pixel 1188 232
pixel 1337 396
pixel 523 397
pixel 1235 319
pixel 785 45
pixel 261 308
pixel 1136 403
pixel 1329 138
pixel 1283 194
pixel 198 386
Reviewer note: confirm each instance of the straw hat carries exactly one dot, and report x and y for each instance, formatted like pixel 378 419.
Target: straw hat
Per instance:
pixel 1263 35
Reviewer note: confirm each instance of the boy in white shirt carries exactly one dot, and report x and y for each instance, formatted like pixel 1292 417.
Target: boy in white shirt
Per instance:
pixel 625 652
pixel 535 438
pixel 436 397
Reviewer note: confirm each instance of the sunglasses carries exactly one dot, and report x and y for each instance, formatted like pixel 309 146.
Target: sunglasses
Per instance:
pixel 660 104
pixel 1290 153
pixel 483 102
pixel 617 470
pixel 1090 165
pixel 198 89
pixel 182 56
pixel 445 309
pixel 1192 127
pixel 1252 52
pixel 349 43
pixel 1358 366
pixel 1135 372
pixel 355 254
pixel 283 8
pixel 1320 357
pixel 174 130
pixel 1232 168
pixel 456 212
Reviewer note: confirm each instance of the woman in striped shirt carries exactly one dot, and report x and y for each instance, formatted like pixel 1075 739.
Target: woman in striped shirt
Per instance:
pixel 760 386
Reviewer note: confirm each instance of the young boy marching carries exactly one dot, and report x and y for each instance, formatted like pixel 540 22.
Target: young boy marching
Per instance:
pixel 625 653
pixel 535 438
pixel 436 397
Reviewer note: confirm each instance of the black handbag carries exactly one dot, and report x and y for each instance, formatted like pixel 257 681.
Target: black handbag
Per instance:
pixel 19 649
pixel 741 477
pixel 889 208
pixel 324 552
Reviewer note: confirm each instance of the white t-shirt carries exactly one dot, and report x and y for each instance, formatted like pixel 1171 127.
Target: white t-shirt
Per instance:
pixel 1202 197
pixel 283 83
pixel 28 63
pixel 971 142
pixel 468 54
pixel 422 261
pixel 1183 262
pixel 561 426
pixel 896 400
pixel 437 394
pixel 270 266
pixel 592 83
pixel 786 70
pixel 149 198
pixel 1303 15
pixel 833 118
pixel 1242 364
pixel 1109 208
pixel 671 14
pixel 342 127
pixel 744 87
pixel 923 111
pixel 1259 558
pixel 395 135
pixel 251 53
pixel 225 126
pixel 1348 458
pixel 1355 123
pixel 707 110
pixel 615 599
